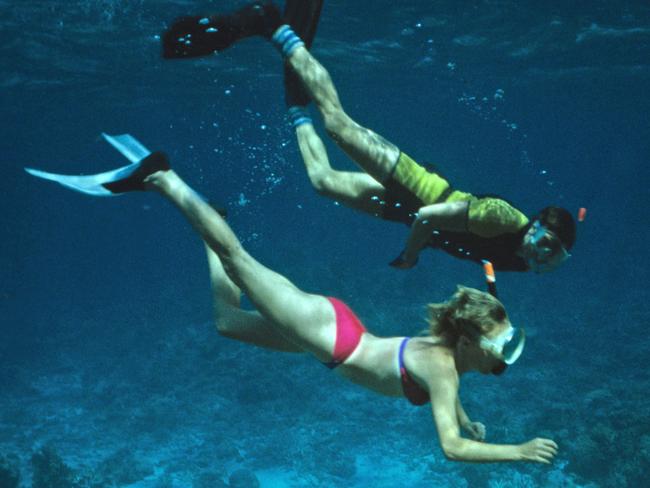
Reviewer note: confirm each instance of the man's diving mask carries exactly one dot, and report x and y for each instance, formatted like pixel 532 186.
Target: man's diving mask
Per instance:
pixel 544 250
pixel 507 347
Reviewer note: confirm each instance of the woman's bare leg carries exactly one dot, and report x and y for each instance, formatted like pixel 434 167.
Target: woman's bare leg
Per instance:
pixel 353 189
pixel 235 323
pixel 306 320
pixel 369 150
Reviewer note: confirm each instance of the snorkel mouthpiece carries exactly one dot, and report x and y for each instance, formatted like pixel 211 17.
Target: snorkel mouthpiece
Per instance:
pixel 499 369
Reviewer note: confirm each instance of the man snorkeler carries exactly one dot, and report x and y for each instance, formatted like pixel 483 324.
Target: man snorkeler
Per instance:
pixel 393 186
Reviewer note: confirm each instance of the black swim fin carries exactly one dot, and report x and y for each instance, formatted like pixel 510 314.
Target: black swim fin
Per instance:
pixel 201 35
pixel 302 16
pixel 156 161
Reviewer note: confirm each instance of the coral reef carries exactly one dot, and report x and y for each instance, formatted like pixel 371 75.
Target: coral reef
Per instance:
pixel 49 470
pixel 9 472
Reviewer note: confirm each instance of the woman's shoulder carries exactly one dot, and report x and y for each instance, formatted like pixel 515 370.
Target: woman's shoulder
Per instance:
pixel 429 358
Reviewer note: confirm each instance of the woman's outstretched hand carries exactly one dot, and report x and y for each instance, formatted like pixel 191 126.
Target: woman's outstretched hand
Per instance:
pixel 538 450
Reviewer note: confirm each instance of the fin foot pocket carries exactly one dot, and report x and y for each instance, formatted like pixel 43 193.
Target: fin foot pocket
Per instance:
pixel 303 17
pixel 134 181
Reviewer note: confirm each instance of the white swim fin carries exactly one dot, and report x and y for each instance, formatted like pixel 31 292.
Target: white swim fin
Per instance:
pixel 118 181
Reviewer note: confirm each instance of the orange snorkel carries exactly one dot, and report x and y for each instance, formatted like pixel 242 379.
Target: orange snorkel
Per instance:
pixel 582 213
pixel 490 278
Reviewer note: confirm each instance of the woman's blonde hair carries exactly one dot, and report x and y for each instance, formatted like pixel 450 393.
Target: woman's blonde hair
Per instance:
pixel 469 312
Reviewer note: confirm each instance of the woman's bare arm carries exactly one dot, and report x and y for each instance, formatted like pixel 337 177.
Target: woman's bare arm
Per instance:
pixel 475 429
pixel 443 389
pixel 463 418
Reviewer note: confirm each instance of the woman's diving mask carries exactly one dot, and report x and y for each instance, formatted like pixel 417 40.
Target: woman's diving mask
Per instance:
pixel 506 347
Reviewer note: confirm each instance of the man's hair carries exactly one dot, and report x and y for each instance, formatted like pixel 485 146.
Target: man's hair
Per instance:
pixel 559 221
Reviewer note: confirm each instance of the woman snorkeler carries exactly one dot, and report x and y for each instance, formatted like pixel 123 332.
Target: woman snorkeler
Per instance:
pixel 469 332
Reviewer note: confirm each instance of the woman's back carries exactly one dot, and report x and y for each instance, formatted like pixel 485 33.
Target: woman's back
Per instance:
pixel 375 362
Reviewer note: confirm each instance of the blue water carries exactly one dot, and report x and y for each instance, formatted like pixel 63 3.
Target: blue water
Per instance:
pixel 111 373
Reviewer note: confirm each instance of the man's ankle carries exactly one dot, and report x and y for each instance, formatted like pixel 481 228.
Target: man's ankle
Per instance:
pixel 286 40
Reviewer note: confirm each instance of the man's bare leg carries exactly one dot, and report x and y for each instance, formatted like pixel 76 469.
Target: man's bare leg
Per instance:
pixel 353 189
pixel 369 150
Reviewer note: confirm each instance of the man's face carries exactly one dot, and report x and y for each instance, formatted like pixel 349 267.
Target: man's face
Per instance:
pixel 542 249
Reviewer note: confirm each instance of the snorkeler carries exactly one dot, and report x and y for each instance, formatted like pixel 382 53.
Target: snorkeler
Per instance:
pixel 393 186
pixel 469 332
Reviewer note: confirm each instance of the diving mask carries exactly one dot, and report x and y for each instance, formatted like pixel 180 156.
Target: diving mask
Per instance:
pixel 544 251
pixel 507 346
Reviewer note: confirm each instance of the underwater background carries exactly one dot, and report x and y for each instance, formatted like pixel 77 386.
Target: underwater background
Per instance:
pixel 111 372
